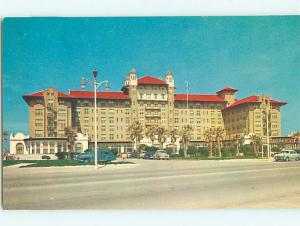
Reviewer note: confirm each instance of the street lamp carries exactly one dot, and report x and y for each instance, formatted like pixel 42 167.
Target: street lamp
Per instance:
pixel 95 84
pixel 266 106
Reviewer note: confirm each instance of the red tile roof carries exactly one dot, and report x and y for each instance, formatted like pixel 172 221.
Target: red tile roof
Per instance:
pixel 227 89
pixel 100 95
pixel 41 94
pixel 151 80
pixel 252 100
pixel 199 97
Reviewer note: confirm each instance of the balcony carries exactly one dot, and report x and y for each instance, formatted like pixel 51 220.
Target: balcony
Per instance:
pixel 152 107
pixel 152 115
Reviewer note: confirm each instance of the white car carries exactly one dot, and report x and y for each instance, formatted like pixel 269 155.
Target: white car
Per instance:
pixel 287 155
pixel 161 154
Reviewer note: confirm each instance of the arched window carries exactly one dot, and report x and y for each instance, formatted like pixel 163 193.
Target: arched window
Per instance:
pixel 20 148
pixel 79 147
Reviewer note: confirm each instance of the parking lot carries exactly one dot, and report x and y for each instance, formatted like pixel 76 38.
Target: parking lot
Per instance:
pixel 155 184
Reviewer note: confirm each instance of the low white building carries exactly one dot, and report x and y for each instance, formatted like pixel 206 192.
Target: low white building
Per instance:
pixel 25 147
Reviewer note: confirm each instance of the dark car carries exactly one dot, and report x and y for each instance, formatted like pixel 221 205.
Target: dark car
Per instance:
pixel 135 155
pixel 149 155
pixel 102 156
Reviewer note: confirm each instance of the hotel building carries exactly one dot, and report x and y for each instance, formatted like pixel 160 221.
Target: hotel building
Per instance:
pixel 152 101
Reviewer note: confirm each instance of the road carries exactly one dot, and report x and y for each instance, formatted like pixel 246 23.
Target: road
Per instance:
pixel 155 184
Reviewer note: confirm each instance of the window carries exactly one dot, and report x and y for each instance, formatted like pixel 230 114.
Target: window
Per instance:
pixel 38 112
pixel 38 147
pixel 38 133
pixel 111 136
pixel 51 147
pixel 62 123
pixel 79 147
pixel 86 111
pixel 176 120
pixel 45 148
pixel 38 122
pixel 20 149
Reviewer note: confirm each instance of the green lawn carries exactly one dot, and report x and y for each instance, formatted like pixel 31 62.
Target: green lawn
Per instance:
pixel 212 158
pixel 49 163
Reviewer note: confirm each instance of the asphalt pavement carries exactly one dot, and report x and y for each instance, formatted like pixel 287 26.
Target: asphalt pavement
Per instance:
pixel 155 184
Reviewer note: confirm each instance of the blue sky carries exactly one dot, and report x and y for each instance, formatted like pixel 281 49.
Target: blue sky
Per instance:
pixel 253 54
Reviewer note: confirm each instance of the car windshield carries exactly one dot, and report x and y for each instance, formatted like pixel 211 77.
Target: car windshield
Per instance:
pixel 285 152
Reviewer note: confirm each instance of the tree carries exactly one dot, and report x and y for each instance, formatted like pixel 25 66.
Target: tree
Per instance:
pixel 185 135
pixel 173 135
pixel 256 141
pixel 70 133
pixel 219 136
pixel 161 136
pixel 151 133
pixel 237 138
pixel 135 131
pixel 208 136
pixel 296 137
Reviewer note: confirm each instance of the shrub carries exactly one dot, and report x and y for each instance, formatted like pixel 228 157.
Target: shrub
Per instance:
pixel 228 152
pixel 275 149
pixel 147 148
pixel 114 151
pixel 247 150
pixel 192 150
pixel 169 151
pixel 181 152
pixel 46 157
pixel 61 155
pixel 203 152
pixel 142 148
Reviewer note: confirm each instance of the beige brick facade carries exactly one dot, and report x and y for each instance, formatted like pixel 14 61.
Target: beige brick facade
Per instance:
pixel 151 101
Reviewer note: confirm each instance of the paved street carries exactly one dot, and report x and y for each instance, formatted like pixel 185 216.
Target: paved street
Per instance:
pixel 155 184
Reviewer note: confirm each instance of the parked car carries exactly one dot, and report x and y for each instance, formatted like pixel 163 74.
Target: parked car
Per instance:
pixel 149 154
pixel 161 154
pixel 287 155
pixel 129 154
pixel 142 155
pixel 102 155
pixel 135 155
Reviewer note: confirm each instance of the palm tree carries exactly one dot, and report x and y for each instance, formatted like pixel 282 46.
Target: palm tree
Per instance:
pixel 173 135
pixel 70 133
pixel 237 141
pixel 161 136
pixel 208 137
pixel 255 142
pixel 151 133
pixel 185 138
pixel 296 137
pixel 219 136
pixel 135 131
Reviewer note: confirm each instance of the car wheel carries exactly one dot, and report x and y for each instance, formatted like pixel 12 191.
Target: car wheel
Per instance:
pixel 287 159
pixel 297 159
